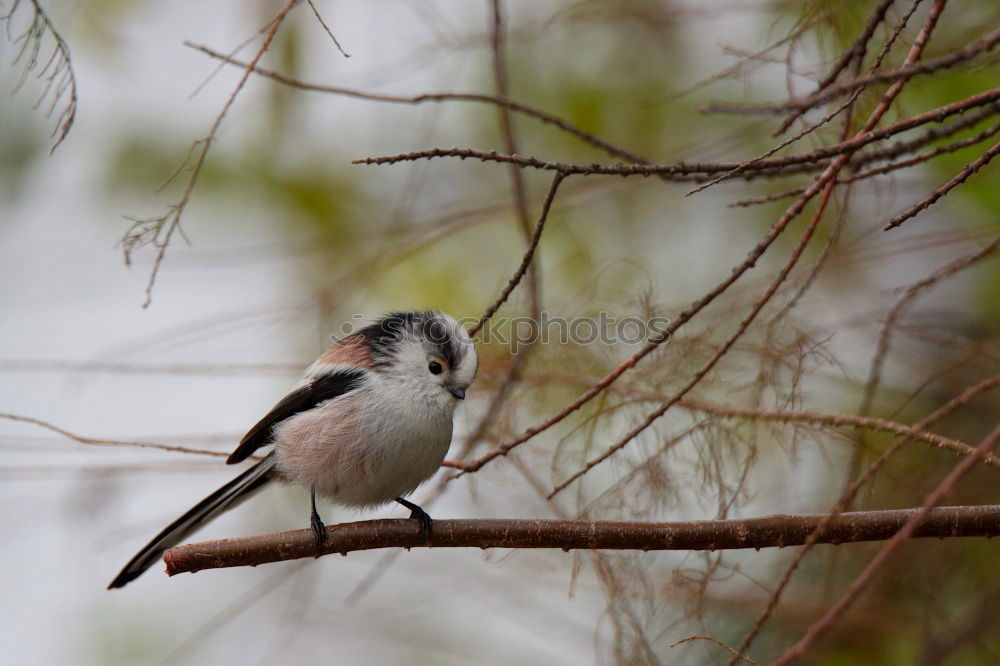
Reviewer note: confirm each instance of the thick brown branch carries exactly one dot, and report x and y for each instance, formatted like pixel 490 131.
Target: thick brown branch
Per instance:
pixel 767 532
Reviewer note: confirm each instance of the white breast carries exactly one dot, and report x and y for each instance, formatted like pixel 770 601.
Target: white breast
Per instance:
pixel 369 446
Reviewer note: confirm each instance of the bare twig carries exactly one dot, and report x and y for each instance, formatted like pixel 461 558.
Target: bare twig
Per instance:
pixel 909 295
pixel 752 257
pixel 824 183
pixel 878 171
pixel 916 49
pixel 911 433
pixel 820 184
pixel 924 157
pixel 905 532
pixel 855 53
pixel 57 71
pixel 510 144
pixel 977 48
pixel 827 182
pixel 736 654
pixel 956 180
pixel 525 260
pixel 983 45
pixel 517 107
pixel 327 29
pixel 858 52
pixel 109 442
pixel 696 171
pixel 948 129
pixel 787 142
pixel 160 230
pixel 848 496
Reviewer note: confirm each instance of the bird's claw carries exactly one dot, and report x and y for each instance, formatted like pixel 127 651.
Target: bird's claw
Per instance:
pixel 419 515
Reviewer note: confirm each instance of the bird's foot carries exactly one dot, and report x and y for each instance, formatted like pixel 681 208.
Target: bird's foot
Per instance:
pixel 318 528
pixel 419 515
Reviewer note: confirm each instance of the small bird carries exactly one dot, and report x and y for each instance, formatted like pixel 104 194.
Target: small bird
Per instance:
pixel 370 421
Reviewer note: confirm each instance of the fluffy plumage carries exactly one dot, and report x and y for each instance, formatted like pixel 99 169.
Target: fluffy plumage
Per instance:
pixel 370 421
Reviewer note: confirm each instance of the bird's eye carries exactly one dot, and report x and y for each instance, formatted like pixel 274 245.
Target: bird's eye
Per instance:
pixel 435 368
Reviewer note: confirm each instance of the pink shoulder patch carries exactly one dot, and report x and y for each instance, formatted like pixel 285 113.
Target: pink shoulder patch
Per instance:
pixel 350 351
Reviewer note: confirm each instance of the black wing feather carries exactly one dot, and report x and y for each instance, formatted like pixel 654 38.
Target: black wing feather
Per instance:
pixel 318 390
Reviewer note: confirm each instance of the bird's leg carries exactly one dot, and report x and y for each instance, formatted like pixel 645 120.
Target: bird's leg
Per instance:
pixel 419 515
pixel 318 528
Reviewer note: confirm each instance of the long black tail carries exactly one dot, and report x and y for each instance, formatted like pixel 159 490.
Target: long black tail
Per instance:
pixel 222 499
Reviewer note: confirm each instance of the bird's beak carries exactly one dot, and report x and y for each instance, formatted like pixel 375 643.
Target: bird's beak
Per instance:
pixel 457 392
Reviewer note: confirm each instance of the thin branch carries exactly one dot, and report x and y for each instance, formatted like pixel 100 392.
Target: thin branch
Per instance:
pixel 109 442
pixel 784 144
pixel 529 253
pixel 916 49
pixel 57 72
pixel 958 179
pixel 977 48
pixel 878 171
pixel 752 257
pixel 736 654
pixel 510 144
pixel 678 170
pixel 327 28
pixel 768 198
pixel 827 182
pixel 983 45
pixel 160 230
pixel 909 295
pixel 768 532
pixel 911 433
pixel 858 51
pixel 903 147
pixel 848 496
pixel 517 107
pixel 924 157
pixel 855 53
pixel 910 528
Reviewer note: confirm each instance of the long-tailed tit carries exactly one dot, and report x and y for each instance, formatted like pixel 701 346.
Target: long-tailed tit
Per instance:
pixel 369 422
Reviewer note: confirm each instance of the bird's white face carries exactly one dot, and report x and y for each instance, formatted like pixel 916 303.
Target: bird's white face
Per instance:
pixel 453 363
pixel 437 358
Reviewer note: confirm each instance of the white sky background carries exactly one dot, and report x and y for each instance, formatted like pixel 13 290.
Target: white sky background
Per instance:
pixel 74 514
